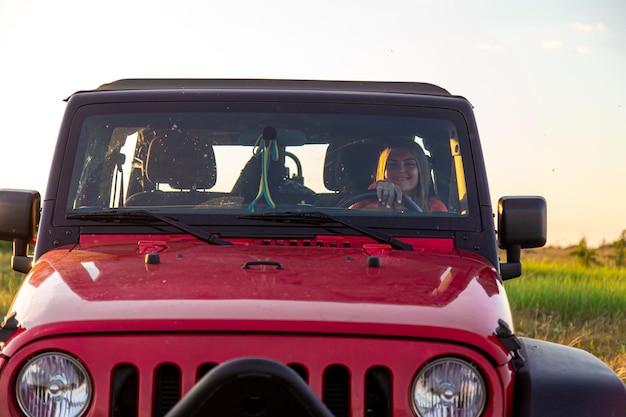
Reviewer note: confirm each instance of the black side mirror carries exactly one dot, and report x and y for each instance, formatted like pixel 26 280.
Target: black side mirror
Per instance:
pixel 522 223
pixel 19 217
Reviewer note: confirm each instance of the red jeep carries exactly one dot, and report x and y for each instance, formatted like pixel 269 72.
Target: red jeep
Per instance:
pixel 272 248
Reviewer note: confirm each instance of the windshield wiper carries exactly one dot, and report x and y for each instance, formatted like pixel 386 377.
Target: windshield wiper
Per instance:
pixel 145 215
pixel 319 218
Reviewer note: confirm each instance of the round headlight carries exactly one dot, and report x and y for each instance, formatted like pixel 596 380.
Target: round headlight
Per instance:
pixel 448 387
pixel 53 384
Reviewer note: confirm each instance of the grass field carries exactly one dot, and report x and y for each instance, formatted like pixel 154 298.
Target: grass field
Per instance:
pixel 555 299
pixel 9 280
pixel 568 304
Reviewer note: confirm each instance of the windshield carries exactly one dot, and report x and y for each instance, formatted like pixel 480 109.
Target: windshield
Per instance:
pixel 242 158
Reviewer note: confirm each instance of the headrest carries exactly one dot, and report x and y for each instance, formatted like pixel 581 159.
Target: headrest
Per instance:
pixel 182 161
pixel 351 166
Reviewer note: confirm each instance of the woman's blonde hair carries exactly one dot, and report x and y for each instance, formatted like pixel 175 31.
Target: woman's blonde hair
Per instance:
pixel 422 192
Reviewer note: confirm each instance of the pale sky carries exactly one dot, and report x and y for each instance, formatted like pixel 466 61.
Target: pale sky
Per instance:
pixel 547 78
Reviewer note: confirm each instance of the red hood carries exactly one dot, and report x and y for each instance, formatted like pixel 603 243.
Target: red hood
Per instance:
pixel 104 284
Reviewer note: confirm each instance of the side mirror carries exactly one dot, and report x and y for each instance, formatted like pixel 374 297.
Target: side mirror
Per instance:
pixel 522 223
pixel 19 217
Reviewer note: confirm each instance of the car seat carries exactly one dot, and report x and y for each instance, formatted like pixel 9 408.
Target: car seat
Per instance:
pixel 349 169
pixel 180 167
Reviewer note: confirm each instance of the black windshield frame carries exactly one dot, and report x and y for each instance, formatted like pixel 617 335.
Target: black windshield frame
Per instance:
pixel 229 224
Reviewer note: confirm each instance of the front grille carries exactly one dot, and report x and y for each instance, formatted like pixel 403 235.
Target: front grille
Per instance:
pixel 146 374
pixel 167 389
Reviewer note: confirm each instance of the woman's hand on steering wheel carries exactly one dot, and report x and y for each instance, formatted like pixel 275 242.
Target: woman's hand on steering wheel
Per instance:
pixel 388 193
pixel 371 195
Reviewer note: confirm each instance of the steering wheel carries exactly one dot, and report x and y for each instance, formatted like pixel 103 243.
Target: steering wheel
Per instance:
pixel 298 176
pixel 371 195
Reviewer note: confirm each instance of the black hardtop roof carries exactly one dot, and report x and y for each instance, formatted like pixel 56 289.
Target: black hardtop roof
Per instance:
pixel 274 84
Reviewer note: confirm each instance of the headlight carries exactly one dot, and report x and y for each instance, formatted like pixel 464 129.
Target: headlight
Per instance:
pixel 53 384
pixel 448 387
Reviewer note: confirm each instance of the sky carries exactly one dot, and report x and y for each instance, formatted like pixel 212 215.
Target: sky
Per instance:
pixel 547 79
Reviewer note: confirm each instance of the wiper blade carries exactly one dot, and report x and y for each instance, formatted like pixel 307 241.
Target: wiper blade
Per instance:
pixel 319 218
pixel 145 215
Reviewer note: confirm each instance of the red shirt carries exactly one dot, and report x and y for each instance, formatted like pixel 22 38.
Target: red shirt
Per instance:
pixel 434 204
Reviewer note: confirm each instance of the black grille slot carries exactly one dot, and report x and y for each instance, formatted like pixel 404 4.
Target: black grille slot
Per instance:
pixel 300 370
pixel 204 369
pixel 166 388
pixel 336 390
pixel 378 391
pixel 124 391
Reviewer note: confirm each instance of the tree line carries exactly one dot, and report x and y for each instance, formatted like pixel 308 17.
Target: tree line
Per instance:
pixel 587 256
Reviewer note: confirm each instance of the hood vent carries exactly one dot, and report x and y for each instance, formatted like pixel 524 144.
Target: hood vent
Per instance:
pixel 320 243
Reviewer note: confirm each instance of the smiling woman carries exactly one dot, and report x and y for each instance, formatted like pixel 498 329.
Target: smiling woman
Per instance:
pixel 404 173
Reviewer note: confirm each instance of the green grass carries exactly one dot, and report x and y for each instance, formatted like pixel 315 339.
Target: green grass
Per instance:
pixel 9 281
pixel 572 305
pixel 574 292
